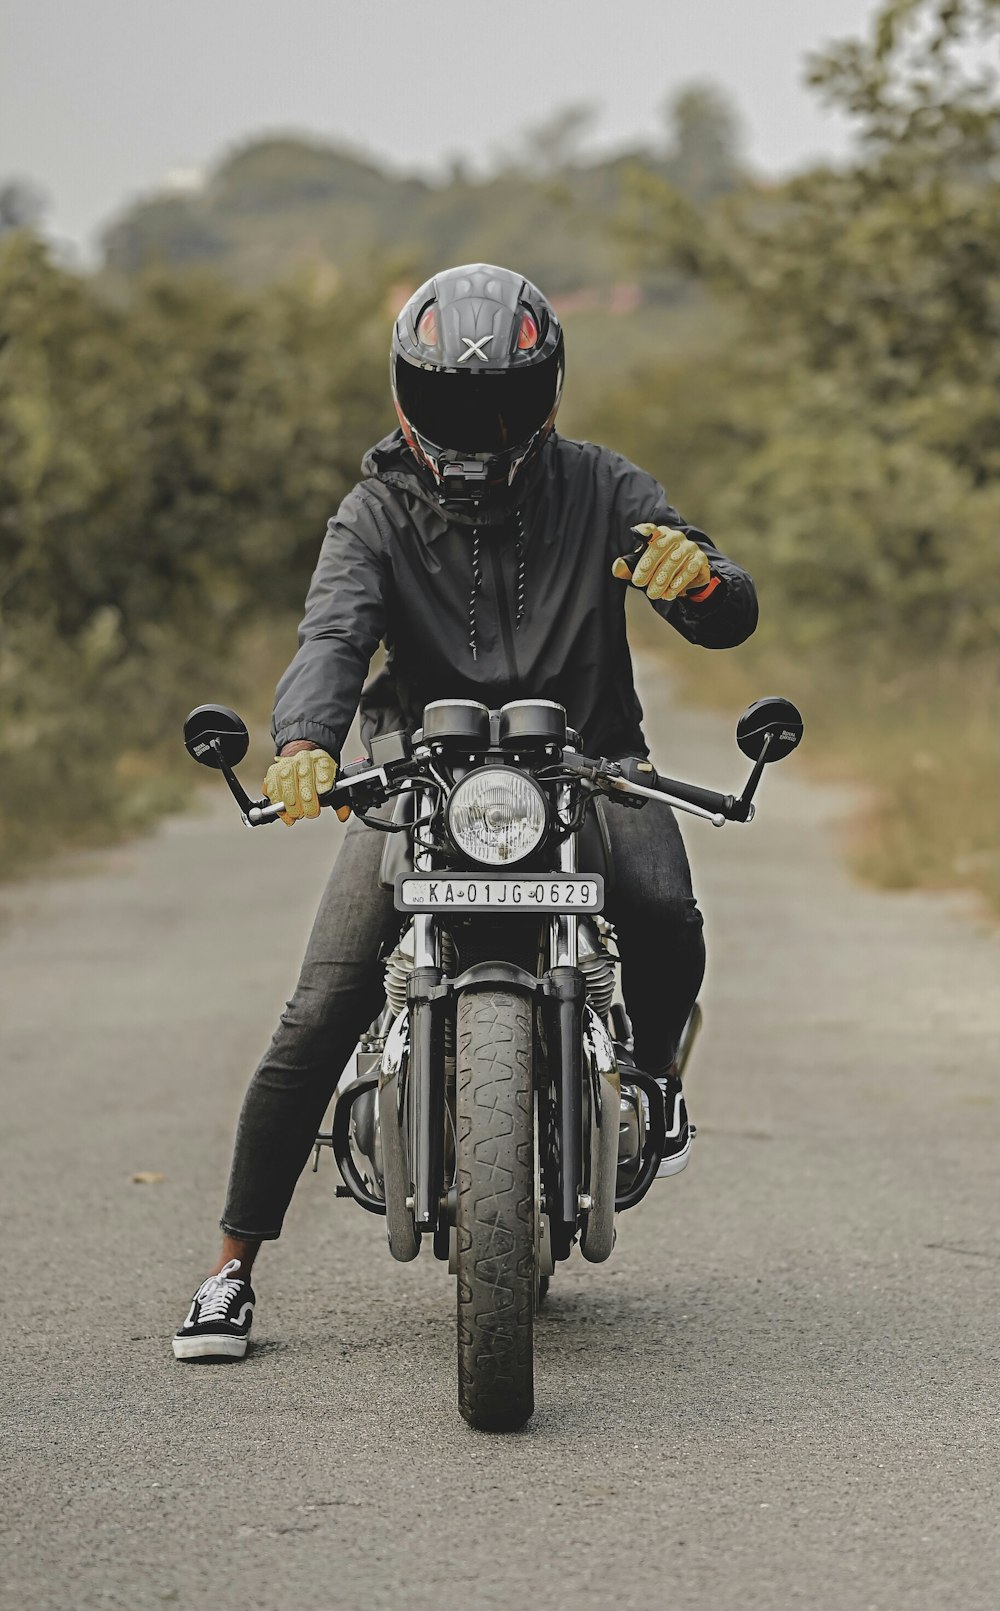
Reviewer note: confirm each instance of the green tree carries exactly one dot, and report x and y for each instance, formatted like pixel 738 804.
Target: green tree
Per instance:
pixel 837 431
pixel 704 136
pixel 856 401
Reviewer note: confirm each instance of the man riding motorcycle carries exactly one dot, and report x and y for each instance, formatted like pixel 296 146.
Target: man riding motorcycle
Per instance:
pixel 483 550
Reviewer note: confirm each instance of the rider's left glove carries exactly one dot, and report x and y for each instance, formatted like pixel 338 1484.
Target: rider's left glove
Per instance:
pixel 298 781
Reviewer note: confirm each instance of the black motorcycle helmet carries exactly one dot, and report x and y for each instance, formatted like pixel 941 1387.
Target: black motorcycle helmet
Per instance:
pixel 477 372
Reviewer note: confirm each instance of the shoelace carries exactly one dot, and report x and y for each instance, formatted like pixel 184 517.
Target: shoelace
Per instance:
pixel 216 1294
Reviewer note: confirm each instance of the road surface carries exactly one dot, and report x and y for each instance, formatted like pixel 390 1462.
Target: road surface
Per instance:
pixel 780 1391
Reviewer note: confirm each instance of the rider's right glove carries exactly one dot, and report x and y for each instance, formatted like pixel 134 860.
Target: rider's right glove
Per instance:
pixel 298 781
pixel 670 566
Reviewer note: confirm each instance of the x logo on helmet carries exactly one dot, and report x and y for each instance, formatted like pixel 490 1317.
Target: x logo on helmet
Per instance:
pixel 475 348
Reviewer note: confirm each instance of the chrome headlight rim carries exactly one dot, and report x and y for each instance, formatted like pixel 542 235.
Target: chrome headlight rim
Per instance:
pixel 514 776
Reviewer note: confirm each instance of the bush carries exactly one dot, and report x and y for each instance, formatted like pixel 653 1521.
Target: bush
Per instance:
pixel 166 472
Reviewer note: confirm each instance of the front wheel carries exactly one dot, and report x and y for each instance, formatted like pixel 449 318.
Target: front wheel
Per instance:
pixel 495 1217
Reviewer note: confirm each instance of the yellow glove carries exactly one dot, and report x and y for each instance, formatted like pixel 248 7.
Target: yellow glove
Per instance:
pixel 298 780
pixel 671 565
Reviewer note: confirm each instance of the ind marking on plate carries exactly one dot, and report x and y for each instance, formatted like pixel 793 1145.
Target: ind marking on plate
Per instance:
pixel 552 893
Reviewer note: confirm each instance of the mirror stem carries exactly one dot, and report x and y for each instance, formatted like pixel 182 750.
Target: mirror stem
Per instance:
pixel 236 788
pixel 744 808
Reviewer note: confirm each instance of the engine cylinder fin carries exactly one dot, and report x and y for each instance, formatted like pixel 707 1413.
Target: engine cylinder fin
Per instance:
pixel 599 973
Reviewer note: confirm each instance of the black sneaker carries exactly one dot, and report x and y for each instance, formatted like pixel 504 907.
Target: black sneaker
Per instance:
pixel 219 1321
pixel 680 1132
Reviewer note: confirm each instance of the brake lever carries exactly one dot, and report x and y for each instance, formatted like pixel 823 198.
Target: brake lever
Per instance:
pixel 622 786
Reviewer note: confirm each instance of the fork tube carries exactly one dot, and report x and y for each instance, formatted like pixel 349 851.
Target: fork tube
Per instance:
pixel 426 944
pixel 426 1057
pixel 425 935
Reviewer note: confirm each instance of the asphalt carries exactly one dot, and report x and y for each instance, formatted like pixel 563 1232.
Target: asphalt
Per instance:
pixel 780 1391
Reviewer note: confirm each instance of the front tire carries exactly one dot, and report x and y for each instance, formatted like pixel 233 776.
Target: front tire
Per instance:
pixel 495 1217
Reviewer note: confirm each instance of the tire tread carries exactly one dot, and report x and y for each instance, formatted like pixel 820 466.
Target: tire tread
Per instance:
pixel 495 1211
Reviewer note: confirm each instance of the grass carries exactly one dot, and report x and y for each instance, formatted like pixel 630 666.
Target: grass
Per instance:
pixel 921 739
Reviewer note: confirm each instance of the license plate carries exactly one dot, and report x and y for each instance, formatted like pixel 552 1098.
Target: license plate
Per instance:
pixel 573 892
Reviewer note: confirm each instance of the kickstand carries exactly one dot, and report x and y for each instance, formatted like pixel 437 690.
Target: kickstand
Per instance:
pixel 324 1139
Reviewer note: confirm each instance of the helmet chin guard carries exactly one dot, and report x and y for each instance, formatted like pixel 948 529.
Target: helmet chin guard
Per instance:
pixel 477 371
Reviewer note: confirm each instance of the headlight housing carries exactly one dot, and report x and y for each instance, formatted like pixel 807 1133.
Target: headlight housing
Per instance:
pixel 497 816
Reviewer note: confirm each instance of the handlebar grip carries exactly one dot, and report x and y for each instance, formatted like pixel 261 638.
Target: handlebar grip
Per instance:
pixel 707 799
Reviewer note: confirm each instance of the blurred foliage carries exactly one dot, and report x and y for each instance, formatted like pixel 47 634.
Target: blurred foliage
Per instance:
pixel 166 472
pixel 840 436
pixel 844 436
pixel 22 206
pixel 280 203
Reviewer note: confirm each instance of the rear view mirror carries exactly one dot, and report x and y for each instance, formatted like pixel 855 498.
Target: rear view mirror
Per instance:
pixel 769 729
pixel 208 723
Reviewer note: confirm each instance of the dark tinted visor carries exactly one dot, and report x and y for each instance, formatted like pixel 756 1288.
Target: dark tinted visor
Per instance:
pixel 478 413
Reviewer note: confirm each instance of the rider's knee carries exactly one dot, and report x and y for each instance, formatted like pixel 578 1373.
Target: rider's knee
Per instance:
pixel 676 915
pixel 322 999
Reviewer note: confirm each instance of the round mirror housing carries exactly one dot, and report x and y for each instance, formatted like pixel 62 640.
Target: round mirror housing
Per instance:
pixel 208 723
pixel 777 719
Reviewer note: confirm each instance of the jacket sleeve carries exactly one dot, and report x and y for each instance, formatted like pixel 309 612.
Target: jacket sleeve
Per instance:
pixel 343 623
pixel 729 615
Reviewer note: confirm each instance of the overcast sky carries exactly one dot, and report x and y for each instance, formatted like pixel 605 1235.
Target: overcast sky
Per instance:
pixel 101 99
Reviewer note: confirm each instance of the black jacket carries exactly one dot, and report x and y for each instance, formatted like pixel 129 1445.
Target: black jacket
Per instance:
pixel 516 604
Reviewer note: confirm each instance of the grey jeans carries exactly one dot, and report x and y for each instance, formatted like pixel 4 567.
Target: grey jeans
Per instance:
pixel 340 991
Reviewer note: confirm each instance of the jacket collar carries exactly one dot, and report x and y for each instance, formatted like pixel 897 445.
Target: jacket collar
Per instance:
pixel 391 462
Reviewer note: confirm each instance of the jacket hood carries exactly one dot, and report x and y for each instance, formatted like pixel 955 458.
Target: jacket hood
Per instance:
pixel 392 462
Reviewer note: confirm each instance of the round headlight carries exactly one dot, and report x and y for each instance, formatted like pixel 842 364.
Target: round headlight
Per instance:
pixel 497 815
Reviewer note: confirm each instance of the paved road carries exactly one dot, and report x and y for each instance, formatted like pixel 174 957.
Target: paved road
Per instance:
pixel 779 1392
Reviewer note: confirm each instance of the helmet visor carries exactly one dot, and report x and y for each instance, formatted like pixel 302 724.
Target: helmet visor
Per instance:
pixel 479 412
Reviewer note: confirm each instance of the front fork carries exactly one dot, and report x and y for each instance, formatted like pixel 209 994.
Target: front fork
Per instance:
pixel 427 1009
pixel 563 999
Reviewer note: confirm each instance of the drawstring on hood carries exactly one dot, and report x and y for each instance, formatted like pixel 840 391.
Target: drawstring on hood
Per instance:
pixel 477 581
pixel 519 551
pixel 391 462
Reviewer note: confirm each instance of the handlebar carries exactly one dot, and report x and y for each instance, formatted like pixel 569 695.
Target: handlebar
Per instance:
pixel 768 730
pixel 645 792
pixel 348 777
pixel 632 776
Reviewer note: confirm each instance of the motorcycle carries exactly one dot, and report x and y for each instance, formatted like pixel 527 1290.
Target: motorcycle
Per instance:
pixel 493 1110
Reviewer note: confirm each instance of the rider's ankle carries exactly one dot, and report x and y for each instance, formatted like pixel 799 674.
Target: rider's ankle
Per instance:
pixel 238 1251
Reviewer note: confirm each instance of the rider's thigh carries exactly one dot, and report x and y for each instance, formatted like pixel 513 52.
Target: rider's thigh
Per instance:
pixel 652 876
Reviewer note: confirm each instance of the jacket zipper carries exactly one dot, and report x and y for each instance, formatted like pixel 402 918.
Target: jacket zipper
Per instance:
pixel 503 611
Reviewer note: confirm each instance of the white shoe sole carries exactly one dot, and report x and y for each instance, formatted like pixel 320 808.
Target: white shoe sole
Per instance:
pixel 679 1160
pixel 674 1165
pixel 206 1347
